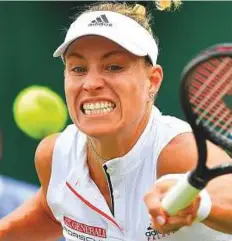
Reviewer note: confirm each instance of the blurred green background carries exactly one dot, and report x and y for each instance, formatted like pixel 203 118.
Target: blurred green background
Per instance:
pixel 31 31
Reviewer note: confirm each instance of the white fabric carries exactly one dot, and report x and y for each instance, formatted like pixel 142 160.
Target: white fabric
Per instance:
pixel 121 29
pixel 77 203
pixel 205 206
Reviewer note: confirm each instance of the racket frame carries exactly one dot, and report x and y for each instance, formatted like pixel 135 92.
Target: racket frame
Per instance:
pixel 201 175
pixel 184 192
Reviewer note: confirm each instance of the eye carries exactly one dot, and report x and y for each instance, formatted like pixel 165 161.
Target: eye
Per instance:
pixel 114 68
pixel 79 70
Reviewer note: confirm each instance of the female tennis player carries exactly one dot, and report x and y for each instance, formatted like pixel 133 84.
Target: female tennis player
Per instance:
pixel 96 174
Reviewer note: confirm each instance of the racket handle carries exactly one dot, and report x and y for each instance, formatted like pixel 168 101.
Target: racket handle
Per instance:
pixel 180 196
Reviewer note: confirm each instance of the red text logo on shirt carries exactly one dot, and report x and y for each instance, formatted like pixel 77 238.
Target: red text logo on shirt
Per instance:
pixel 83 228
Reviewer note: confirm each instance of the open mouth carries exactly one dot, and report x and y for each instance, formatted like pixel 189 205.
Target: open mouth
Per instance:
pixel 102 107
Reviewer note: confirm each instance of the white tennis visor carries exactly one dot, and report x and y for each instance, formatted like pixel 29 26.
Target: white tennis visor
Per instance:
pixel 117 27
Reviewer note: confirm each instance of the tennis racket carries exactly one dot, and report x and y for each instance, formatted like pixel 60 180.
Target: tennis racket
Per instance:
pixel 206 99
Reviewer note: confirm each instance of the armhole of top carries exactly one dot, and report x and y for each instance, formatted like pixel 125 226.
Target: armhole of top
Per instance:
pixel 62 147
pixel 172 127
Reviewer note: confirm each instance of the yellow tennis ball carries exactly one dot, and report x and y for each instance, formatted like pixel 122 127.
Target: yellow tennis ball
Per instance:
pixel 39 112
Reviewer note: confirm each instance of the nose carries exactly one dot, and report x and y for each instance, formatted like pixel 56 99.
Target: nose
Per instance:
pixel 93 81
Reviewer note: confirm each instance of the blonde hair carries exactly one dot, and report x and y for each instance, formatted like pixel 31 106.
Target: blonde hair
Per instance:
pixel 167 4
pixel 135 11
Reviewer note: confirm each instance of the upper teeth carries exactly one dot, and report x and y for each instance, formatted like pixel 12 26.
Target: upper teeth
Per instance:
pixel 97 105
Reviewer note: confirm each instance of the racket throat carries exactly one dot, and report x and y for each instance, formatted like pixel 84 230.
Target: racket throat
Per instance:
pixel 198 181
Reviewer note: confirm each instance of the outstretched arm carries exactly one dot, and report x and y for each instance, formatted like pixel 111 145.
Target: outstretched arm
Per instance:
pixel 30 221
pixel 34 220
pixel 180 156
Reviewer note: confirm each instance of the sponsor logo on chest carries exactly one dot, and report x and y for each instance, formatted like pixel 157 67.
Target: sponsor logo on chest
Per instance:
pixel 81 231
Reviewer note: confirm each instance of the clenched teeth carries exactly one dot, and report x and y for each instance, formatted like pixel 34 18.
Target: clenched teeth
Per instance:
pixel 98 107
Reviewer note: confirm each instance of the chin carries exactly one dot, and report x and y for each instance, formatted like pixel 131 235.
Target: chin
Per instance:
pixel 99 125
pixel 99 131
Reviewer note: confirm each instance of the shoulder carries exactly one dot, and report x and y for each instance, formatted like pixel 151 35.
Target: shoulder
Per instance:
pixel 169 123
pixel 49 148
pixel 43 158
pixel 180 155
pixel 172 122
pixel 166 128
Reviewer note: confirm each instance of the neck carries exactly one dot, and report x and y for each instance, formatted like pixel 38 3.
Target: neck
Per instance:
pixel 107 148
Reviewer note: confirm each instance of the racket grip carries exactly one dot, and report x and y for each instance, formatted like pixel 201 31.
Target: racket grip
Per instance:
pixel 179 197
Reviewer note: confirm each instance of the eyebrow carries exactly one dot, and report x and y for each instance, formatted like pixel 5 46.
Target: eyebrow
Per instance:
pixel 76 55
pixel 105 56
pixel 109 54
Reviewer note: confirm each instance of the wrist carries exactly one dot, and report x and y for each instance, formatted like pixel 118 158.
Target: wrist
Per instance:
pixel 205 201
pixel 204 207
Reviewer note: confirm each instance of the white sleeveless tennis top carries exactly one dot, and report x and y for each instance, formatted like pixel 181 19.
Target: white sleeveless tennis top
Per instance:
pixel 78 205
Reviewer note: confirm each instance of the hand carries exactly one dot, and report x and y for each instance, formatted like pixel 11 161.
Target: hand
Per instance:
pixel 160 219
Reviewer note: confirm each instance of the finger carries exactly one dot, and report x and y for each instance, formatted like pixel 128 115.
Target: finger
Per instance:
pixel 176 222
pixel 192 209
pixel 155 225
pixel 153 200
pixel 164 228
pixel 153 204
pixel 180 221
pixel 159 219
pixel 172 224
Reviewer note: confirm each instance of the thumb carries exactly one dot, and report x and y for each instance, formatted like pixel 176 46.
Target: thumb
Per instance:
pixel 153 203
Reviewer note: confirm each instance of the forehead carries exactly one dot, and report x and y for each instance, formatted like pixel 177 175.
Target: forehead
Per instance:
pixel 94 45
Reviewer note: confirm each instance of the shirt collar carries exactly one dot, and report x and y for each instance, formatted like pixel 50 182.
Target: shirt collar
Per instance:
pixel 134 158
pixel 122 165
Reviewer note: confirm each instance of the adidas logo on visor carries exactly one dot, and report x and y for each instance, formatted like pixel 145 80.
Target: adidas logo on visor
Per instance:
pixel 100 21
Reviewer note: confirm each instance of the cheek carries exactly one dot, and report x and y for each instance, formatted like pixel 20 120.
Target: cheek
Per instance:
pixel 132 90
pixel 71 93
pixel 72 87
pixel 138 92
pixel 68 90
pixel 134 100
pixel 68 98
pixel 144 91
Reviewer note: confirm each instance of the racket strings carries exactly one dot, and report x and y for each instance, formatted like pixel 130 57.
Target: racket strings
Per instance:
pixel 216 86
pixel 218 115
pixel 210 82
pixel 200 99
pixel 212 106
pixel 209 105
pixel 209 79
pixel 203 73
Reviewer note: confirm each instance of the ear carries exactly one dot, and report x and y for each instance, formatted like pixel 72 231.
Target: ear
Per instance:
pixel 156 77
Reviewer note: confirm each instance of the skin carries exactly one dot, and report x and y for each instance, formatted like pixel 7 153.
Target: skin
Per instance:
pixel 34 220
pixel 98 69
pixel 230 91
pixel 175 159
pixel 95 73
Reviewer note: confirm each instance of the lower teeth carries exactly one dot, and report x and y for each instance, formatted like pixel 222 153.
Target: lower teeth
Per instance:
pixel 88 112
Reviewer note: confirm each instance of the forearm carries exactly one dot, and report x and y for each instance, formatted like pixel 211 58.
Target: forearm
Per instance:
pixel 29 222
pixel 220 218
